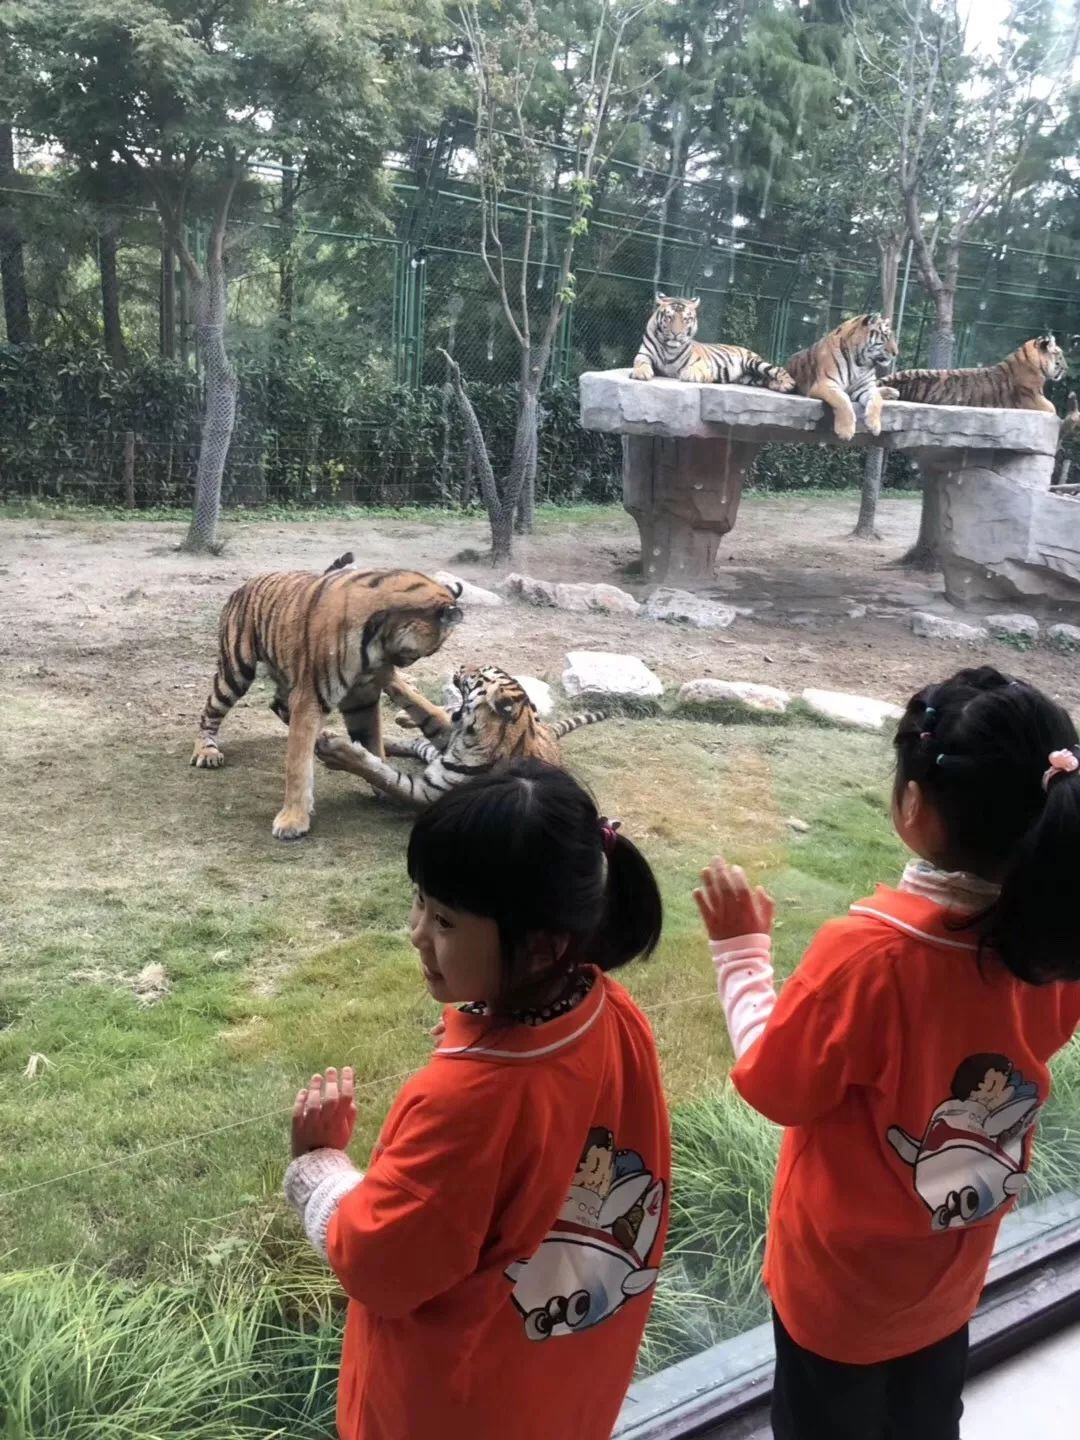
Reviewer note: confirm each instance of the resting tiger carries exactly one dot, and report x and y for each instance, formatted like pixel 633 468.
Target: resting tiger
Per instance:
pixel 844 364
pixel 668 348
pixel 327 640
pixel 1015 383
pixel 495 723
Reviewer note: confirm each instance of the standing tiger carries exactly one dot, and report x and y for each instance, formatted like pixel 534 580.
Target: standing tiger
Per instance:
pixel 842 368
pixel 668 348
pixel 495 723
pixel 327 640
pixel 1015 383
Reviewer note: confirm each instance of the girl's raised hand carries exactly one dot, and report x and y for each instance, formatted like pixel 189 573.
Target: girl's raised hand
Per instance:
pixel 730 906
pixel 325 1112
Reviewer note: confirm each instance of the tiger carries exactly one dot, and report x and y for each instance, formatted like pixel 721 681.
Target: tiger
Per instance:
pixel 1015 383
pixel 327 640
pixel 495 723
pixel 1063 459
pixel 843 367
pixel 668 348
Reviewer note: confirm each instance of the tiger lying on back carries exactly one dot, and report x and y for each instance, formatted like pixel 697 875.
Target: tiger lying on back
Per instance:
pixel 327 640
pixel 1015 383
pixel 844 364
pixel 669 349
pixel 496 723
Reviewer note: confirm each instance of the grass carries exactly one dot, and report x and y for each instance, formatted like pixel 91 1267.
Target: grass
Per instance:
pixel 154 1284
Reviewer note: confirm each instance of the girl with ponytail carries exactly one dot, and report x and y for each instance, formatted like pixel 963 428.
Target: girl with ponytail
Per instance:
pixel 500 1252
pixel 907 1057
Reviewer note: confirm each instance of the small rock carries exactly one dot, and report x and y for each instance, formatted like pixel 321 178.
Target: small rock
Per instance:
pixel 151 984
pixel 939 627
pixel 680 607
pixel 857 710
pixel 608 599
pixel 1024 628
pixel 1064 637
pixel 857 612
pixel 598 674
pixel 470 594
pixel 799 826
pixel 742 694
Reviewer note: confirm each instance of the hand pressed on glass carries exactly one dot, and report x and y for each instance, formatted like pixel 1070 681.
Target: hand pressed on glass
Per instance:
pixel 729 905
pixel 324 1113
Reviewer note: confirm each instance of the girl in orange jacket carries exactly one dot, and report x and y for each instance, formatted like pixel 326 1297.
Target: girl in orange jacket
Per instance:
pixel 500 1251
pixel 907 1058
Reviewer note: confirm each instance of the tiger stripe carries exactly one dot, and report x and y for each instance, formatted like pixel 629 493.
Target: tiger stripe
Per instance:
pixel 495 723
pixel 1015 383
pixel 668 348
pixel 330 639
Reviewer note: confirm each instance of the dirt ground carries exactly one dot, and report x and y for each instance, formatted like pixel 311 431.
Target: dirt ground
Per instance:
pixel 111 613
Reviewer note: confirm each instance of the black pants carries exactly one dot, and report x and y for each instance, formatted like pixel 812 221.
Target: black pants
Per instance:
pixel 915 1397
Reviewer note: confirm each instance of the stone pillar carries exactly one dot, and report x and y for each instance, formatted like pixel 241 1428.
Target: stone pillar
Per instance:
pixel 986 512
pixel 684 495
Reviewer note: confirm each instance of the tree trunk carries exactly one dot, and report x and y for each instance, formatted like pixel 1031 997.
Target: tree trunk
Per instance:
pixel 520 493
pixel 220 413
pixel 129 469
pixel 866 525
pixel 12 262
pixel 167 302
pixel 500 506
pixel 110 290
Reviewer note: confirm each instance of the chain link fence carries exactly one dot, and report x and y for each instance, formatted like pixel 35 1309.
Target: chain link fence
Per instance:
pixel 336 338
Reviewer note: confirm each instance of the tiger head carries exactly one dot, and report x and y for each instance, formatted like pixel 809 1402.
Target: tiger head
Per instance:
pixel 491 697
pixel 419 628
pixel 675 320
pixel 869 340
pixel 1046 354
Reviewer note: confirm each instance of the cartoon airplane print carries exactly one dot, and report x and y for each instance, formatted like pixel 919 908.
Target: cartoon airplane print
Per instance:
pixel 971 1162
pixel 595 1256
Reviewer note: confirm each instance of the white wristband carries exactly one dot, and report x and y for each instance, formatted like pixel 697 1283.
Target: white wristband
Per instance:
pixel 744 982
pixel 315 1185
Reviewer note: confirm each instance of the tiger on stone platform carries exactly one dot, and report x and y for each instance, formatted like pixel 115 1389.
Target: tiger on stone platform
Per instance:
pixel 1015 383
pixel 843 367
pixel 327 640
pixel 669 349
pixel 496 723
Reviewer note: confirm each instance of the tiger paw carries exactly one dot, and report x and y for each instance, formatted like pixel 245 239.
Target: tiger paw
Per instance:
pixel 207 756
pixel 845 428
pixel 405 720
pixel 331 749
pixel 642 372
pixel 887 392
pixel 784 384
pixel 291 824
pixel 874 426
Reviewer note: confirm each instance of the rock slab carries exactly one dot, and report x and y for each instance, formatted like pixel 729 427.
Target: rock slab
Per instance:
pixel 1024 628
pixel 858 711
pixel 600 674
pixel 608 599
pixel 940 627
pixel 470 594
pixel 680 607
pixel 743 694
pixel 1064 637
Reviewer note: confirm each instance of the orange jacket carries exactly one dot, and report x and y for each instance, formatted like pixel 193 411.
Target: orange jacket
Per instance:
pixel 910 1079
pixel 500 1252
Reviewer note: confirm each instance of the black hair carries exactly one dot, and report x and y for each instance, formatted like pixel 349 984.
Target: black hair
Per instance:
pixel 971 1073
pixel 524 847
pixel 978 746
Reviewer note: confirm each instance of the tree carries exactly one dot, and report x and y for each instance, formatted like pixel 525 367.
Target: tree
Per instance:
pixel 512 71
pixel 186 96
pixel 12 261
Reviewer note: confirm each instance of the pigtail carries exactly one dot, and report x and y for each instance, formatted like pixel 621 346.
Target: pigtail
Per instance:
pixel 633 910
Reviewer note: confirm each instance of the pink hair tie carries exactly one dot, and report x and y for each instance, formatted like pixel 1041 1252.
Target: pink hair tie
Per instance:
pixel 609 830
pixel 1062 762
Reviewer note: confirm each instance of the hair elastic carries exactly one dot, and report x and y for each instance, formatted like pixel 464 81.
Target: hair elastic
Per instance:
pixel 609 830
pixel 1062 762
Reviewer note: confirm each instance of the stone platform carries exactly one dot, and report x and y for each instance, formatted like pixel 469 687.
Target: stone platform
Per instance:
pixel 687 450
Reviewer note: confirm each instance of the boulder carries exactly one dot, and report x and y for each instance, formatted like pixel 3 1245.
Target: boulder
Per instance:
pixel 1064 637
pixel 736 694
pixel 601 675
pixel 680 607
pixel 608 599
pixel 1015 628
pixel 470 594
pixel 855 710
pixel 940 627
